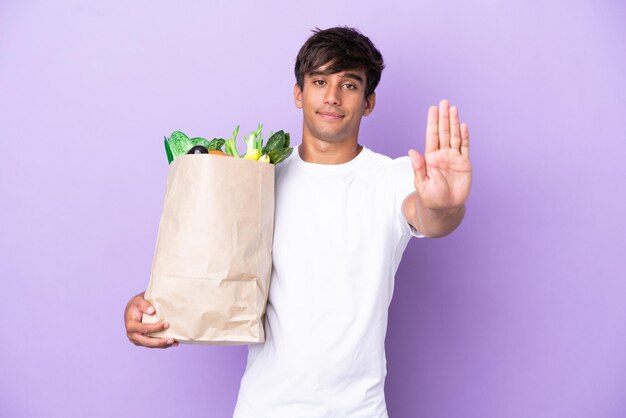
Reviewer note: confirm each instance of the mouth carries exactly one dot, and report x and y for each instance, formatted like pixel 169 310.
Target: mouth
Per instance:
pixel 330 115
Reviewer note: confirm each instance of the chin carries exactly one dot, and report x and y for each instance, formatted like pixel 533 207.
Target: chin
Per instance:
pixel 332 138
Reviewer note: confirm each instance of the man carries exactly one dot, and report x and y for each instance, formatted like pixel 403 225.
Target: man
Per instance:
pixel 343 217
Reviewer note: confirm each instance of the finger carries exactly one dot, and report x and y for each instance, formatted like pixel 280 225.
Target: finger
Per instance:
pixel 419 166
pixel 444 124
pixel 464 140
pixel 153 342
pixel 145 328
pixel 135 313
pixel 432 135
pixel 137 307
pixel 455 129
pixel 145 306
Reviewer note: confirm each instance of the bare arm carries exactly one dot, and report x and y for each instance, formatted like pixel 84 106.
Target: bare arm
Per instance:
pixel 433 223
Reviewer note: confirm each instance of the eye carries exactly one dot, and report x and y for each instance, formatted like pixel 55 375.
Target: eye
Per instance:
pixel 318 82
pixel 350 86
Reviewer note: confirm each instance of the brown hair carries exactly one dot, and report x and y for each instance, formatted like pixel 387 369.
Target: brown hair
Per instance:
pixel 345 49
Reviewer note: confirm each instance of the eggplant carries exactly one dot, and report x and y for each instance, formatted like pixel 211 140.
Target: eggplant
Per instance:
pixel 198 149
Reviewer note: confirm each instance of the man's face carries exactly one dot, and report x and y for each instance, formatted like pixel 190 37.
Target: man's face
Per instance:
pixel 333 104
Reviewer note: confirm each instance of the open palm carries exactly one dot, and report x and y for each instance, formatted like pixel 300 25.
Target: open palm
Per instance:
pixel 444 175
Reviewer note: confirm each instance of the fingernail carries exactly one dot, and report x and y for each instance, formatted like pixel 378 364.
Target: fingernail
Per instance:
pixel 166 325
pixel 150 310
pixel 170 341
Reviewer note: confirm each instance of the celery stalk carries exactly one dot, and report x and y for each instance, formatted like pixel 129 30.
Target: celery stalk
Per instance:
pixel 230 146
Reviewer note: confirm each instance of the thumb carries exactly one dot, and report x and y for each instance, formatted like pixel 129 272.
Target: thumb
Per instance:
pixel 419 166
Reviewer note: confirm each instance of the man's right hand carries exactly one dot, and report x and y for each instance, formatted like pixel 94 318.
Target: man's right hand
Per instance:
pixel 137 331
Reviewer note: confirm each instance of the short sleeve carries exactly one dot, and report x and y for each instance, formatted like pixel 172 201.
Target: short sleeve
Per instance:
pixel 399 180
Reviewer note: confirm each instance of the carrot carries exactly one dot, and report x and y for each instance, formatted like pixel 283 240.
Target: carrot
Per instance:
pixel 218 152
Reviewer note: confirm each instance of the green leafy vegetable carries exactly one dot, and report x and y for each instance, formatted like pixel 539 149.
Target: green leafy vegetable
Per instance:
pixel 200 141
pixel 216 144
pixel 179 144
pixel 168 151
pixel 279 155
pixel 276 141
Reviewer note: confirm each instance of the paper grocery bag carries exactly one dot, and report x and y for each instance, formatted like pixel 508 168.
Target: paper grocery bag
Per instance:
pixel 213 258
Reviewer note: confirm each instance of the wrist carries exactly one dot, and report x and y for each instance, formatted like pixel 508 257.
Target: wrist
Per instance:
pixel 446 212
pixel 441 221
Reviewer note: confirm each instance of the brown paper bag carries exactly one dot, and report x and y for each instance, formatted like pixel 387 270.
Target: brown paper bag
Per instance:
pixel 213 258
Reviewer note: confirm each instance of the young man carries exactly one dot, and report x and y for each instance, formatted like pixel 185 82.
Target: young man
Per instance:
pixel 343 217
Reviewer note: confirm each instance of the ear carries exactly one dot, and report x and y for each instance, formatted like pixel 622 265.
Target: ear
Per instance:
pixel 297 96
pixel 370 102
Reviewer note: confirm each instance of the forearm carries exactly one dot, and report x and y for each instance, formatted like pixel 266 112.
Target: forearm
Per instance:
pixel 433 223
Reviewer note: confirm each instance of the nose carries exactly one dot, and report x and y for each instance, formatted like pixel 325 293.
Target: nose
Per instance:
pixel 333 95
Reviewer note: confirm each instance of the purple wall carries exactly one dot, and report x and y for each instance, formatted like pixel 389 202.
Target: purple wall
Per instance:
pixel 520 313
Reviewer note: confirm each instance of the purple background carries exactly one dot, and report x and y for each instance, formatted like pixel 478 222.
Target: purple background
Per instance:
pixel 520 313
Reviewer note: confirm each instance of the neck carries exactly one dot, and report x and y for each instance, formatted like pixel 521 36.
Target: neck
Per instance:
pixel 320 152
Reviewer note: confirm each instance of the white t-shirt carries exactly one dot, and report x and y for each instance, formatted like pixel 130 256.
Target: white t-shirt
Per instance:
pixel 339 234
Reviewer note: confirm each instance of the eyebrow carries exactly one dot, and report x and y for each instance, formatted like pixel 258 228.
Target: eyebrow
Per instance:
pixel 346 75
